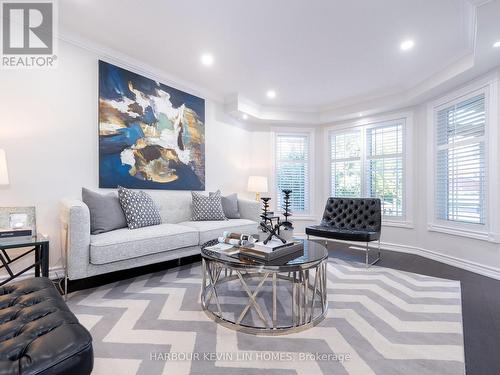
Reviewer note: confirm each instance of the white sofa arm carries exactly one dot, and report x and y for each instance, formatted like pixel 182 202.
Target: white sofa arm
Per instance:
pixel 75 220
pixel 249 209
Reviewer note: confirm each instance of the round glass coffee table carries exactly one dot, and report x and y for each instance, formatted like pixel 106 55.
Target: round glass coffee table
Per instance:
pixel 278 297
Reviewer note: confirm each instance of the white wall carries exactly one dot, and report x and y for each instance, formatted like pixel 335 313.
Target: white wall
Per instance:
pixel 48 127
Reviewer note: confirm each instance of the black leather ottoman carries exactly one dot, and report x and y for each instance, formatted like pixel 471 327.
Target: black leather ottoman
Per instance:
pixel 39 334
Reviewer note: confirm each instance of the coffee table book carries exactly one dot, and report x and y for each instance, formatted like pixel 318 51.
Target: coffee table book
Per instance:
pixel 270 253
pixel 224 248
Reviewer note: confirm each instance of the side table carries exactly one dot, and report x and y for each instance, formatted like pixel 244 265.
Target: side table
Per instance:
pixel 39 246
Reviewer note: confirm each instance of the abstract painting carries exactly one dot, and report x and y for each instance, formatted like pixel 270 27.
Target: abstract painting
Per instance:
pixel 151 136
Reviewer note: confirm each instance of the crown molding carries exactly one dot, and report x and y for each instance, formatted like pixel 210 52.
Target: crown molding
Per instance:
pixel 137 66
pixel 236 104
pixel 389 100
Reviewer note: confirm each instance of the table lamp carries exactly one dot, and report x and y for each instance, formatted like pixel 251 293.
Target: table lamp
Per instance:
pixel 4 175
pixel 257 185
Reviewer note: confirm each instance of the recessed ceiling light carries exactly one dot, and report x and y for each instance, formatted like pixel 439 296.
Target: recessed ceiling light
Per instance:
pixel 244 116
pixel 407 45
pixel 207 59
pixel 496 44
pixel 271 94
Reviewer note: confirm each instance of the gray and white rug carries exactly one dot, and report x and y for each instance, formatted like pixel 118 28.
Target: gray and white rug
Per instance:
pixel 380 321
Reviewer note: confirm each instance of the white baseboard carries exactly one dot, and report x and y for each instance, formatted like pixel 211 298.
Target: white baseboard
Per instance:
pixel 468 265
pixel 54 273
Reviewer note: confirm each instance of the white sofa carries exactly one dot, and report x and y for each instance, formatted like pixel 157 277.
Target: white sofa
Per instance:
pixel 177 236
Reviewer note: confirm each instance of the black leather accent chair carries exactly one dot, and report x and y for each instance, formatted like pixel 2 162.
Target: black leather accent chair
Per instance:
pixel 351 219
pixel 38 332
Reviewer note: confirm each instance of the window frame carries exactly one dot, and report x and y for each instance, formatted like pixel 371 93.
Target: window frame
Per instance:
pixel 406 221
pixel 331 160
pixel 487 231
pixel 309 134
pixel 448 146
pixel 367 159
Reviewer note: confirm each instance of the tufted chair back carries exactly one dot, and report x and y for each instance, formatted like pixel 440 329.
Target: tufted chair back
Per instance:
pixel 362 214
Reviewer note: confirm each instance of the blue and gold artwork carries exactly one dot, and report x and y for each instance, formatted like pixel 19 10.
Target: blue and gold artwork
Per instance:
pixel 151 136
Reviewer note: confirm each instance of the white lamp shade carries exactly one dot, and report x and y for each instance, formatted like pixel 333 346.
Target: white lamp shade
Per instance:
pixel 4 175
pixel 257 184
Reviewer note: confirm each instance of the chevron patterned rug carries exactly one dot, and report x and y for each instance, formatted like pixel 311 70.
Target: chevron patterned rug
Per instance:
pixel 380 321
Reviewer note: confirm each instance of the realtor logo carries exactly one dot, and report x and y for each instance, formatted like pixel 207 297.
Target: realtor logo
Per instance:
pixel 28 34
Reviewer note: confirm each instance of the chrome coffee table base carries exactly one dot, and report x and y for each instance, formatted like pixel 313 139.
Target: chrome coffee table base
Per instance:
pixel 309 303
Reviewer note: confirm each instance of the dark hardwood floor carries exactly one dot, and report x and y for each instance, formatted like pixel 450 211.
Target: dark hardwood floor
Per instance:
pixel 480 303
pixel 480 299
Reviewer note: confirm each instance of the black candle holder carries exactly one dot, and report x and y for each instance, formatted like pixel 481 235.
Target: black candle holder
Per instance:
pixel 265 209
pixel 286 208
pixel 273 228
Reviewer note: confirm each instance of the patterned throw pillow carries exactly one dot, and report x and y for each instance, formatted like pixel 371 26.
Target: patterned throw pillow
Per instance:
pixel 139 208
pixel 207 207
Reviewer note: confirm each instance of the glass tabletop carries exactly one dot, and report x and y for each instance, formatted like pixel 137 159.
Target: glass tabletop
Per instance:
pixel 312 254
pixel 14 242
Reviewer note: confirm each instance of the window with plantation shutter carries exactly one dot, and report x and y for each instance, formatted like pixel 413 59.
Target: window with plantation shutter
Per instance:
pixel 460 161
pixel 368 161
pixel 345 174
pixel 292 170
pixel 384 158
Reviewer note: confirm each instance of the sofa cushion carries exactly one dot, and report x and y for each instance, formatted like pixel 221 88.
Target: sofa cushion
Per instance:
pixel 124 244
pixel 106 213
pixel 210 230
pixel 229 205
pixel 174 206
pixel 207 207
pixel 139 208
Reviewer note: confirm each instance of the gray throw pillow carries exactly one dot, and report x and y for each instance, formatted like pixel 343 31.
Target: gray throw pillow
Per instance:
pixel 207 208
pixel 106 214
pixel 139 208
pixel 230 206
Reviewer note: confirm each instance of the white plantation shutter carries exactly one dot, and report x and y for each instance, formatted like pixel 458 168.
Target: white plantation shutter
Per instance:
pixel 345 154
pixel 292 170
pixel 384 166
pixel 460 161
pixel 368 161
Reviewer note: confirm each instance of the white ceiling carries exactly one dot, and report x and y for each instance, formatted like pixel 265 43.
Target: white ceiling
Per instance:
pixel 315 53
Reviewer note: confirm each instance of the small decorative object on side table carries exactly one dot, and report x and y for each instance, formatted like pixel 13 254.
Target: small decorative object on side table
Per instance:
pixel 39 246
pixel 17 222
